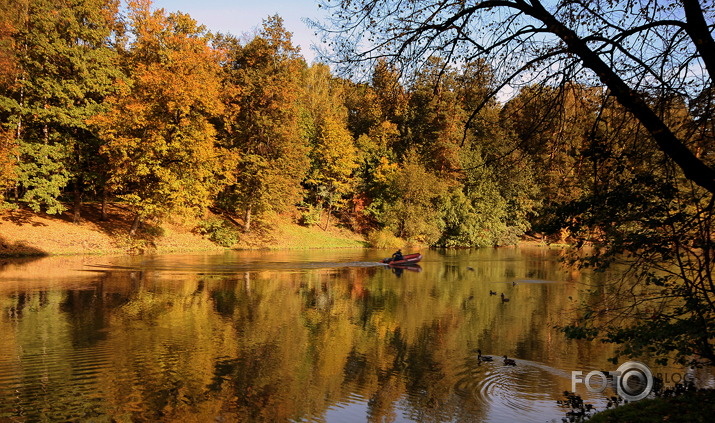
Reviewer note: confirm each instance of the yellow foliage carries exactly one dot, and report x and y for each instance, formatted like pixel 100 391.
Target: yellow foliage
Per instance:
pixel 385 170
pixel 384 239
pixel 158 139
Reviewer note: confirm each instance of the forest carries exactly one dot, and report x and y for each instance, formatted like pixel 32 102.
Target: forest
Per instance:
pixel 104 104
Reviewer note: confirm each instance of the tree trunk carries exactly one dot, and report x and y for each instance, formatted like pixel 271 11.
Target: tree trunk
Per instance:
pixel 135 224
pixel 327 221
pixel 77 209
pixel 18 132
pixel 697 29
pixel 247 220
pixel 104 203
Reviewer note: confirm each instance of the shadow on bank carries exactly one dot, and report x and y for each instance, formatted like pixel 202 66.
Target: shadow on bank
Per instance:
pixel 19 250
pixel 95 222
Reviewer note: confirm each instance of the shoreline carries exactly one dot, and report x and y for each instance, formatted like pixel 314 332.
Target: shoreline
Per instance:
pixel 24 233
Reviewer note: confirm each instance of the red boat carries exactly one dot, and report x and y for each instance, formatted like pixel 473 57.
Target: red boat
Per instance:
pixel 406 260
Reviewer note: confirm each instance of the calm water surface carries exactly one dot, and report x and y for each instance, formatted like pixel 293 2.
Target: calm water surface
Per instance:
pixel 290 336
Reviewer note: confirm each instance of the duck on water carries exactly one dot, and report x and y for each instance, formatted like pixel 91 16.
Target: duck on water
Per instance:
pixel 509 361
pixel 481 357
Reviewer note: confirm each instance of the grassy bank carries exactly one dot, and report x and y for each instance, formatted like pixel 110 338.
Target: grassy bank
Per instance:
pixel 692 407
pixel 286 235
pixel 25 233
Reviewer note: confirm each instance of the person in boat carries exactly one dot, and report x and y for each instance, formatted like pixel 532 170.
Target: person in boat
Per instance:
pixel 398 256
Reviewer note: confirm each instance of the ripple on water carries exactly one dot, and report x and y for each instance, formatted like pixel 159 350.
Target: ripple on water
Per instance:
pixel 525 392
pixel 53 385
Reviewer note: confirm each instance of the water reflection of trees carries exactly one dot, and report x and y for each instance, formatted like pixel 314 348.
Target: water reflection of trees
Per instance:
pixel 281 345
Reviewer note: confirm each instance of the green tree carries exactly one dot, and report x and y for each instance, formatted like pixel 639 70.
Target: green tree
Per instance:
pixel 64 66
pixel 412 207
pixel 159 142
pixel 475 212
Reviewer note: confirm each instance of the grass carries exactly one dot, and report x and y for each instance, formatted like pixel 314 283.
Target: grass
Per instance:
pixel 24 233
pixel 286 235
pixel 693 407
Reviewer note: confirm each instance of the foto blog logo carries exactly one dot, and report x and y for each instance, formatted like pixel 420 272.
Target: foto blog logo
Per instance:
pixel 632 381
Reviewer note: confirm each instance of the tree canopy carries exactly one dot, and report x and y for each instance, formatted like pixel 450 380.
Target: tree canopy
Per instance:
pixel 636 49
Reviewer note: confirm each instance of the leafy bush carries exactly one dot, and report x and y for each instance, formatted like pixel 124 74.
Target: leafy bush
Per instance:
pixel 152 230
pixel 217 231
pixel 310 216
pixel 134 244
pixel 384 238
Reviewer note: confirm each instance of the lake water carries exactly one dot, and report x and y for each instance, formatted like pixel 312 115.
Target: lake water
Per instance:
pixel 291 336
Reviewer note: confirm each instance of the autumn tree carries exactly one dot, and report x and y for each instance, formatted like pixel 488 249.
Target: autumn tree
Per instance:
pixel 376 114
pixel 435 117
pixel 490 189
pixel 552 126
pixel 336 154
pixel 531 41
pixel 390 93
pixel 333 152
pixel 159 142
pixel 262 80
pixel 430 121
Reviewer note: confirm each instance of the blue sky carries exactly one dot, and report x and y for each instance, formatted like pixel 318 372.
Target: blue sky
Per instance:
pixel 243 16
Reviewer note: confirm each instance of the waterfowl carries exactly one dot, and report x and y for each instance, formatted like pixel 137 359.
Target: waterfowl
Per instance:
pixel 492 292
pixel 503 298
pixel 481 357
pixel 509 362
